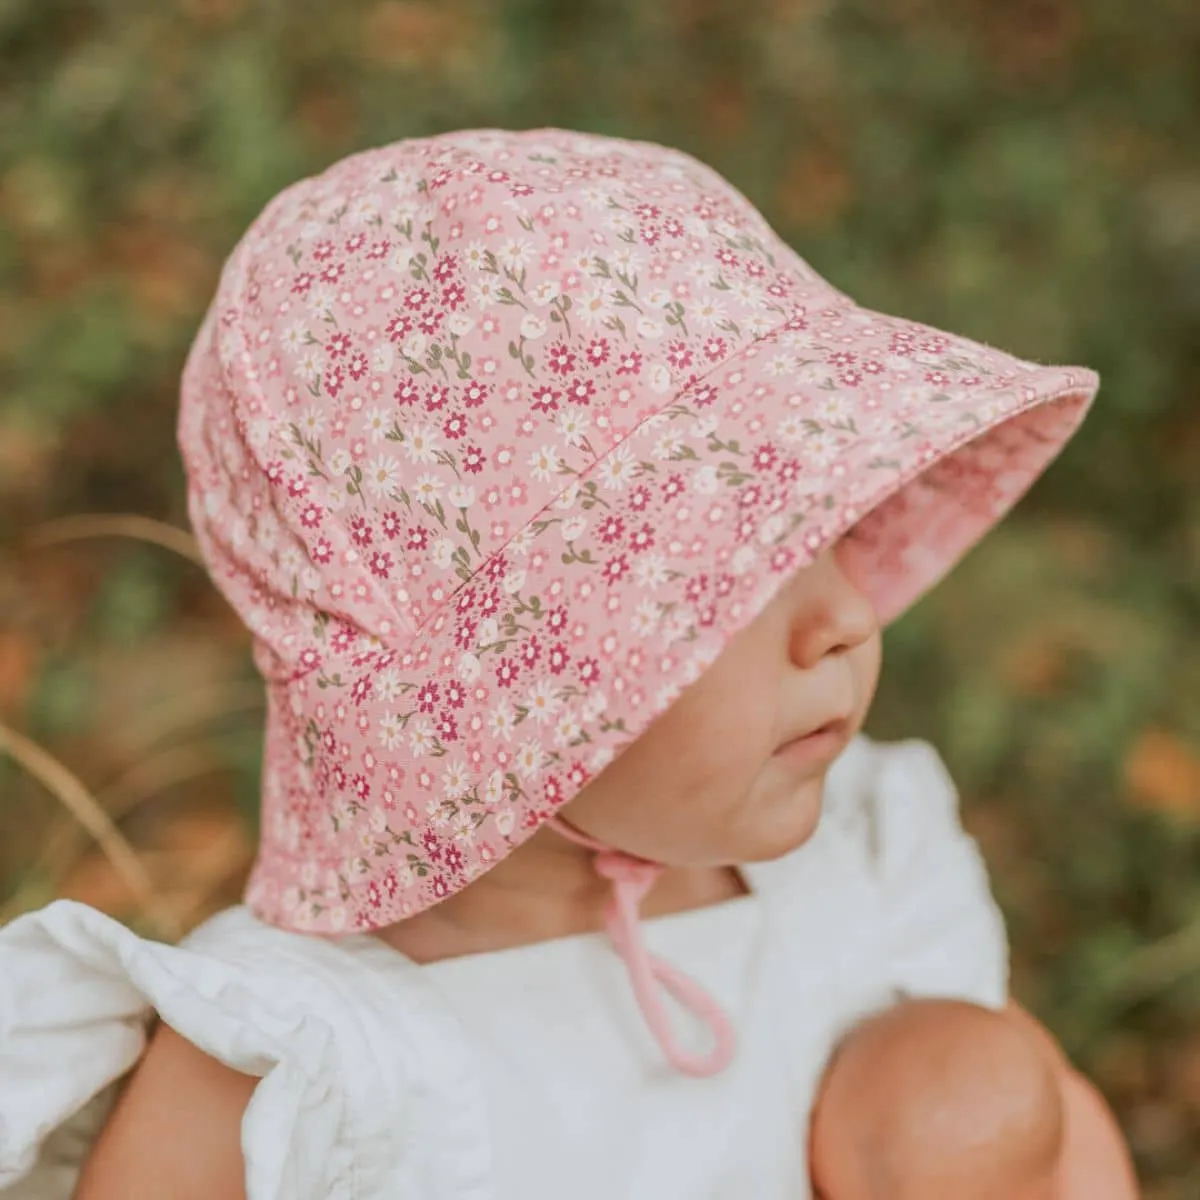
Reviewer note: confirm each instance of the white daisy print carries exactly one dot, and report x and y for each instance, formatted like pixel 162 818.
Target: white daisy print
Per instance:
pixel 387 685
pixel 390 731
pixel 544 463
pixel 381 475
pixel 427 487
pixel 474 257
pixel 617 470
pixel 566 728
pixel 377 422
pixel 294 338
pixel 529 758
pixel 573 426
pixel 515 253
pixel 544 292
pixel 423 443
pixel 645 619
pixel 599 304
pixel 456 779
pixel 543 701
pixel 650 571
pixel 501 721
pixel 420 737
pixel 311 422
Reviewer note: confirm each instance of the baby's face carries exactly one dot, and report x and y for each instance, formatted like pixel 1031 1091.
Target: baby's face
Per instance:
pixel 710 783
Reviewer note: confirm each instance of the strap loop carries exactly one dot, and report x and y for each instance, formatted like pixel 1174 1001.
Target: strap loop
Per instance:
pixel 631 879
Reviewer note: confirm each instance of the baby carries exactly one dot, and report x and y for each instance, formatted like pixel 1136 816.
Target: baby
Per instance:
pixel 566 505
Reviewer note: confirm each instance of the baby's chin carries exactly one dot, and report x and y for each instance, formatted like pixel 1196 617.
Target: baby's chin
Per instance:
pixel 787 818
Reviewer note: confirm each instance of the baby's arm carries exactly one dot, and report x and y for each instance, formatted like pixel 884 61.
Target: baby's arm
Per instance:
pixel 175 1131
pixel 942 1099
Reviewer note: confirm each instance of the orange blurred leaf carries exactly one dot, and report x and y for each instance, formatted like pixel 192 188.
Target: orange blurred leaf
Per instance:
pixel 1163 774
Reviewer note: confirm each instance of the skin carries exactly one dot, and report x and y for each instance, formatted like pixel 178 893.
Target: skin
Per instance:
pixel 722 796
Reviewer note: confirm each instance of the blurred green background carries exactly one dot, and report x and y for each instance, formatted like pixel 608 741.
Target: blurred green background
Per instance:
pixel 1026 173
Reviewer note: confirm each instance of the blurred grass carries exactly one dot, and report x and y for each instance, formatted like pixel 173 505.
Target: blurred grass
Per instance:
pixel 1027 174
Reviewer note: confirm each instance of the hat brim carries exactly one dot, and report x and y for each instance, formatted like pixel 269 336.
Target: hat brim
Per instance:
pixel 613 599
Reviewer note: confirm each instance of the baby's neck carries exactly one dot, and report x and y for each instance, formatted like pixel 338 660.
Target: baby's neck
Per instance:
pixel 508 908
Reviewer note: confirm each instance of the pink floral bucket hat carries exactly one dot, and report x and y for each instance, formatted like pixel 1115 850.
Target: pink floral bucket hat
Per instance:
pixel 494 439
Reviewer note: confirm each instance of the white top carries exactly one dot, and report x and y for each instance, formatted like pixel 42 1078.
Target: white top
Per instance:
pixel 523 1073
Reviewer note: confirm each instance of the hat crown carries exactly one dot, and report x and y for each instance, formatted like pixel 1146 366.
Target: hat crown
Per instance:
pixel 424 346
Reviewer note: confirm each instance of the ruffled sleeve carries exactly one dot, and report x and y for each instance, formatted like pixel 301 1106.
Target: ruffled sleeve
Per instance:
pixel 943 931
pixel 76 990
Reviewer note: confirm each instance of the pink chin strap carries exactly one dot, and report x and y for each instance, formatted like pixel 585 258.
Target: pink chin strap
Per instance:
pixel 631 879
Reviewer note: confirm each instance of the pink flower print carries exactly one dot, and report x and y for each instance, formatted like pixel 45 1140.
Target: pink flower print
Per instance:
pixel 357 367
pixel 415 299
pixel 274 473
pixel 302 283
pixel 323 250
pixel 714 348
pixel 437 397
pixel 297 487
pixel 390 883
pixel 427 696
pixel 615 569
pixel 765 457
pixel 390 524
pixel 544 399
pixel 589 670
pixel 673 227
pixel 581 391
pixel 430 321
pixel 789 470
pixel 455 425
pixel 464 633
pixel 381 564
pixel 489 325
pixel 518 493
pixel 338 345
pixel 374 895
pixel 726 257
pixel 406 393
pixel 937 378
pixel 630 362
pixel 322 552
pixel 333 273
pixel 399 327
pixel 556 619
pixel 749 496
pixel 418 538
pixel 454 859
pixel 673 487
pixel 489 605
pixel 552 791
pixel 696 587
pixel 432 845
pixel 530 652
pixel 851 378
pixel 560 359
pixel 446 727
pixel 558 658
pixel 597 351
pixel 360 530
pixel 473 459
pixel 506 672
pixel 361 689
pixel 704 395
pixel 873 367
pixel 454 296
pixel 444 268
pixel 639 498
pixel 309 659
pixel 842 358
pixel 476 393
pixel 362 789
pixel 578 775
pixel 456 694
pixel 642 539
pixel 611 528
pixel 678 355
pixel 335 377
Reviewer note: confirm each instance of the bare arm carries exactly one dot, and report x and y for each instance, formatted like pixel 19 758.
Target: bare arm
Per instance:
pixel 1095 1163
pixel 175 1132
